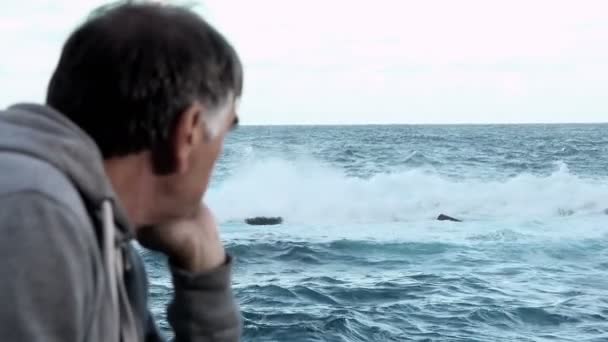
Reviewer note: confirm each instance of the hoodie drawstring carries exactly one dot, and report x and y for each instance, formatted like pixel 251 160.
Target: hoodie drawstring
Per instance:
pixel 124 327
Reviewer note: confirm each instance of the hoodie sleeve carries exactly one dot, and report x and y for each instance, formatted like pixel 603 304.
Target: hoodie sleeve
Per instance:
pixel 203 307
pixel 44 277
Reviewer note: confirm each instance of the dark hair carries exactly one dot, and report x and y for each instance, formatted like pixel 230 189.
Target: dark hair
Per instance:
pixel 128 72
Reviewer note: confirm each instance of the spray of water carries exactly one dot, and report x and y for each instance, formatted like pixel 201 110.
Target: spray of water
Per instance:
pixel 309 191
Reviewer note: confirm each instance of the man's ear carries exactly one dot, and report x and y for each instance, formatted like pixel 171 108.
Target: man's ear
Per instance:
pixel 188 134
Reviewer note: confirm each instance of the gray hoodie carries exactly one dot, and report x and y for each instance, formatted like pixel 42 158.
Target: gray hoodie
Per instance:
pixel 68 267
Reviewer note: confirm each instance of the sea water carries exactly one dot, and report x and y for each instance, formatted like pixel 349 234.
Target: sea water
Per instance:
pixel 360 256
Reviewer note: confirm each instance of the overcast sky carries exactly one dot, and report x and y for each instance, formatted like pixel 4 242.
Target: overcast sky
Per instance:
pixel 381 61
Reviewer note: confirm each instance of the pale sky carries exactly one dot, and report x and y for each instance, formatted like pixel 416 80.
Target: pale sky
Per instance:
pixel 382 61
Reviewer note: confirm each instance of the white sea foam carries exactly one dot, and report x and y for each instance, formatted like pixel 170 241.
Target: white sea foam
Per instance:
pixel 310 191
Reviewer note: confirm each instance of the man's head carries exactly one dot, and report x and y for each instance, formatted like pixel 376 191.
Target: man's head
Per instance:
pixel 151 80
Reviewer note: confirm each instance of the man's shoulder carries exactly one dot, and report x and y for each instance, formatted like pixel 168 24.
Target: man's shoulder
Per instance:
pixel 24 175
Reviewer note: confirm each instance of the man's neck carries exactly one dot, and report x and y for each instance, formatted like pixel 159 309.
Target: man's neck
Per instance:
pixel 130 180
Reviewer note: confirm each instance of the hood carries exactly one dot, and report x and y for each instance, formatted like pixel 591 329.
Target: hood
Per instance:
pixel 43 133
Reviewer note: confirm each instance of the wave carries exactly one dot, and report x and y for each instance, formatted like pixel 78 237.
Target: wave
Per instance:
pixel 390 313
pixel 521 315
pixel 308 191
pixel 359 253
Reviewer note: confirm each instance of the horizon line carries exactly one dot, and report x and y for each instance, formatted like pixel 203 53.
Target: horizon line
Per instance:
pixel 427 124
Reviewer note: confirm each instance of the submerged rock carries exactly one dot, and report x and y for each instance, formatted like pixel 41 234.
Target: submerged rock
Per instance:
pixel 443 217
pixel 264 221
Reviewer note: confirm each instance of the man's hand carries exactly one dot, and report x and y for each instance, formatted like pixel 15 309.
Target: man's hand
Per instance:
pixel 192 244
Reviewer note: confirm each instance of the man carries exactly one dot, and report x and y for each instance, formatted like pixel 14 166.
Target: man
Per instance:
pixel 137 110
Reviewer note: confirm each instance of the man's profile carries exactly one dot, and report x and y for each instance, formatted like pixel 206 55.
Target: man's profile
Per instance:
pixel 123 149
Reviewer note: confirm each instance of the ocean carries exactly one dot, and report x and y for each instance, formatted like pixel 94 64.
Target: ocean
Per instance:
pixel 360 255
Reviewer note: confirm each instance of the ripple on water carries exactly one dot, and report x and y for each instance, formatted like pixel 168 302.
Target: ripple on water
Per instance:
pixel 497 286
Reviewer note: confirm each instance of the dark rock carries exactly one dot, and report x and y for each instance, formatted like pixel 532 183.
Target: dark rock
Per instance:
pixel 443 217
pixel 264 221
